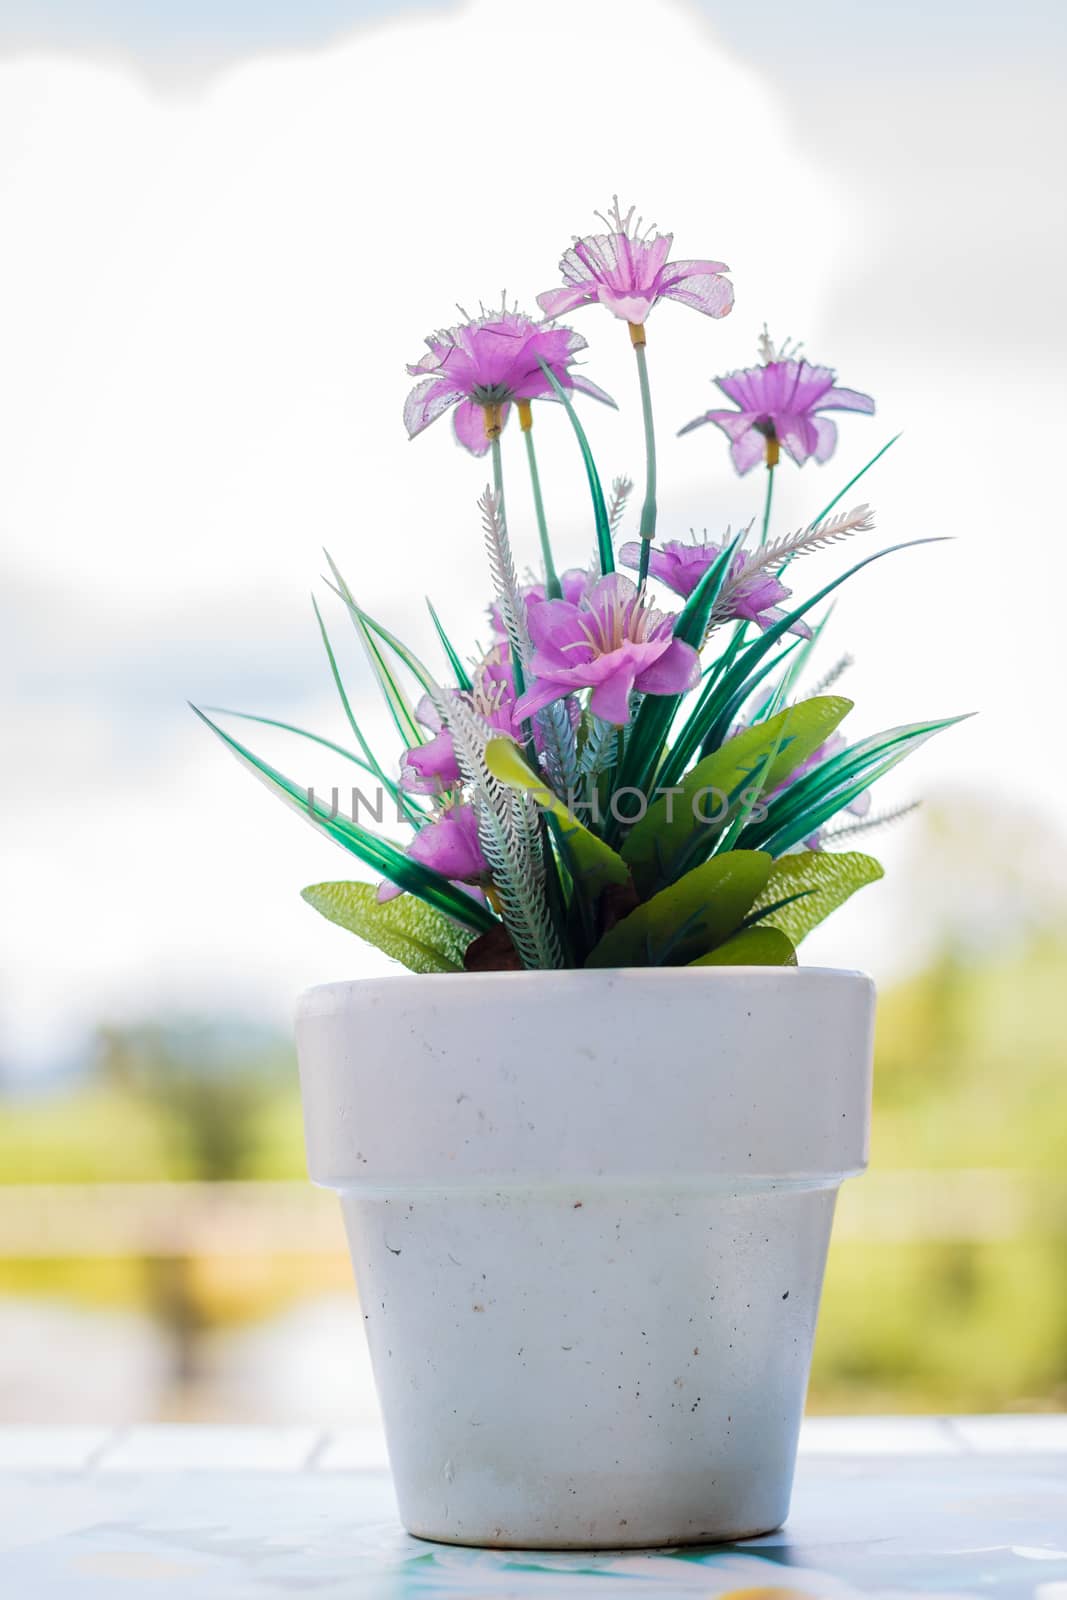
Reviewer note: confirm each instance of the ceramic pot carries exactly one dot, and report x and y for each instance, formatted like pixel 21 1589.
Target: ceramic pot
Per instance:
pixel 588 1215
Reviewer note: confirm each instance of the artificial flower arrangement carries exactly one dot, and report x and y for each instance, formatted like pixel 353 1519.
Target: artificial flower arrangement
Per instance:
pixel 612 783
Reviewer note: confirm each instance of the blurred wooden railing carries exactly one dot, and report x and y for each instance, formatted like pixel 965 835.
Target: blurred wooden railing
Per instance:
pixel 237 1219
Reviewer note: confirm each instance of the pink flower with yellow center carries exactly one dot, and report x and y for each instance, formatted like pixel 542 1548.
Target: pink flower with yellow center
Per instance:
pixel 778 405
pixel 626 269
pixel 612 642
pixel 479 367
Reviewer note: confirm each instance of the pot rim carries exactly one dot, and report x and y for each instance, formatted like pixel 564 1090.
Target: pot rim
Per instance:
pixel 337 989
pixel 758 1074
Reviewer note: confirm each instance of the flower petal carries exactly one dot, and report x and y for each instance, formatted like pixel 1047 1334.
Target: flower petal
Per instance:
pixel 628 305
pixel 469 422
pixel 677 670
pixel 733 423
pixel 704 291
pixel 674 271
pixel 540 693
pixel 432 767
pixel 586 386
pixel 610 699
pixel 826 437
pixel 748 451
pixel 427 401
pixel 555 629
pixel 554 302
pixel 798 436
pixel 427 713
pixel 772 614
pixel 846 400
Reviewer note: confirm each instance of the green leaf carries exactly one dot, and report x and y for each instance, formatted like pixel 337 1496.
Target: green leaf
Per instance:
pixel 400 708
pixel 822 881
pixel 404 802
pixel 406 929
pixel 793 672
pixel 690 917
pixel 752 947
pixel 378 853
pixel 824 791
pixel 841 493
pixel 591 862
pixel 657 848
pixel 652 724
pixel 407 804
pixel 459 671
pixel 693 733
pixel 735 686
pixel 600 510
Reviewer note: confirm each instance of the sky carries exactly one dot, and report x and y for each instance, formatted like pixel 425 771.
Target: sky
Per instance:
pixel 227 231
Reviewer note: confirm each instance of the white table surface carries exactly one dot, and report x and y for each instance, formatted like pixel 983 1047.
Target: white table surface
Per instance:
pixel 890 1506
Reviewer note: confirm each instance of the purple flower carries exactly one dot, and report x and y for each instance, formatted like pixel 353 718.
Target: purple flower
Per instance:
pixel 779 403
pixel 449 845
pixel 681 566
pixel 612 642
pixel 573 582
pixel 627 270
pixel 482 365
pixel 431 768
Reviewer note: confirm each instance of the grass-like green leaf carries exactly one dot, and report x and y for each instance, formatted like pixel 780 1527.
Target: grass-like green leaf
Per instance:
pixel 400 708
pixel 406 929
pixel 405 803
pixel 814 882
pixel 600 510
pixel 670 837
pixel 459 671
pixel 736 685
pixel 644 747
pixel 824 791
pixel 592 863
pixel 692 735
pixel 752 947
pixel 841 493
pixel 689 918
pixel 375 852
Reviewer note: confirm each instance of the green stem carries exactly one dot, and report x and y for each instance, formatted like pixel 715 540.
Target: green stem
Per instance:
pixel 647 529
pixel 767 505
pixel 553 588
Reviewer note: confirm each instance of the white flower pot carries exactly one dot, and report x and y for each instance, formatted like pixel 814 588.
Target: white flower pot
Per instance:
pixel 588 1215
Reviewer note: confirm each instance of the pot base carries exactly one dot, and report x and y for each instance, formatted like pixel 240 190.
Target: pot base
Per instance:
pixel 681 1541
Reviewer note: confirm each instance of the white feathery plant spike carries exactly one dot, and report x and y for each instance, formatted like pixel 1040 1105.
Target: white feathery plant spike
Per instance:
pixel 600 745
pixel 509 834
pixel 621 490
pixel 880 819
pixel 816 536
pixel 560 746
pixel 828 679
pixel 502 569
